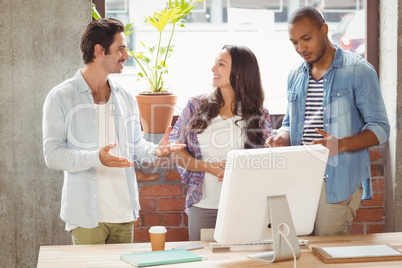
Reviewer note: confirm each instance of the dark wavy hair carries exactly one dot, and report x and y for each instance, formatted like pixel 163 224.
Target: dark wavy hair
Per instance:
pixel 102 32
pixel 245 80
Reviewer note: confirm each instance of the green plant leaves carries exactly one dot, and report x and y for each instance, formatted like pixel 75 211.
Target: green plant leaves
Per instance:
pixel 95 13
pixel 127 30
pixel 162 18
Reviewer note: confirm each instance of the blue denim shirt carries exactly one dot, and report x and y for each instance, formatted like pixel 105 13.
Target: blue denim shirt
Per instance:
pixel 352 102
pixel 70 143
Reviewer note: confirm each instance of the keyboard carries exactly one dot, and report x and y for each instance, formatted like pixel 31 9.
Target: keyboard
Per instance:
pixel 254 246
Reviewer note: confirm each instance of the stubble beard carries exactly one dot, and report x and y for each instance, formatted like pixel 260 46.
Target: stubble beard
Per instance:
pixel 321 53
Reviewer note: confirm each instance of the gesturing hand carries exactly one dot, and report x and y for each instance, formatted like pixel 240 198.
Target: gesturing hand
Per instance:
pixel 111 160
pixel 274 141
pixel 328 141
pixel 165 147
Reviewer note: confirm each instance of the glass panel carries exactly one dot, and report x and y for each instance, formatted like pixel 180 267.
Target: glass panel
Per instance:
pixel 259 24
pixel 116 6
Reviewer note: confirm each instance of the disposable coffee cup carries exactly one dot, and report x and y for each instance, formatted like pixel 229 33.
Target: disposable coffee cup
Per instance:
pixel 158 237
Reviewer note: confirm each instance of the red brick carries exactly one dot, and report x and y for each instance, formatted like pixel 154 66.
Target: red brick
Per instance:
pixel 377 170
pixel 148 204
pixel 138 222
pixel 146 176
pixel 161 162
pixel 185 219
pixel 141 235
pixel 177 234
pixel 171 204
pixel 173 175
pixel 164 219
pixel 369 215
pixel 378 185
pixel 161 190
pixel 357 228
pixel 375 228
pixel 375 155
pixel 377 201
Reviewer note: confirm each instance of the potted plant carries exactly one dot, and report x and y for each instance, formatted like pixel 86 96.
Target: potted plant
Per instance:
pixel 156 104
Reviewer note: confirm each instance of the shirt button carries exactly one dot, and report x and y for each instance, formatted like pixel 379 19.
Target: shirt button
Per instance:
pixel 325 108
pixel 326 125
pixel 325 93
pixel 326 176
pixel 338 94
pixel 325 80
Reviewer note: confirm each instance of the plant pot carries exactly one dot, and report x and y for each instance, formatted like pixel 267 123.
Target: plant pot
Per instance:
pixel 156 111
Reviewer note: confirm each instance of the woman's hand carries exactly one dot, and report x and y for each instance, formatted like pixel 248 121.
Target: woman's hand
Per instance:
pixel 216 168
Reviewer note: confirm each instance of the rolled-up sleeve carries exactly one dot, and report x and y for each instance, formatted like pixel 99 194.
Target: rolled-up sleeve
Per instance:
pixel 370 103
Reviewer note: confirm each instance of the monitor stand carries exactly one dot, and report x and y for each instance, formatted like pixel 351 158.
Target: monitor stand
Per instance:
pixel 283 232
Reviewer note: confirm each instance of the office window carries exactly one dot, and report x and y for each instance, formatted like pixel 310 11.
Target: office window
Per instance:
pixel 259 24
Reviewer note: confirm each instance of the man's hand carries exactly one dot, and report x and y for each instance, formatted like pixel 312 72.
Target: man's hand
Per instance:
pixel 274 141
pixel 328 141
pixel 165 147
pixel 281 139
pixel 111 160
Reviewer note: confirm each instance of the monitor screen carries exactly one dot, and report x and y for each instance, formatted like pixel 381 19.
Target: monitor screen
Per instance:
pixel 253 175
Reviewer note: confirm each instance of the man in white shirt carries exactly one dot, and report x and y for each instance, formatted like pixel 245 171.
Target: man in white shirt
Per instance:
pixel 91 130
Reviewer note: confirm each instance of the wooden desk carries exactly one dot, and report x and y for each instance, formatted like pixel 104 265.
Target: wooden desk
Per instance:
pixel 108 255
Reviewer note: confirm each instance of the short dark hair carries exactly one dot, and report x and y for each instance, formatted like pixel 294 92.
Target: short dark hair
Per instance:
pixel 311 13
pixel 102 32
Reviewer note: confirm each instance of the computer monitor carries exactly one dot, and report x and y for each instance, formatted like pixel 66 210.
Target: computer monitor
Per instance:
pixel 251 176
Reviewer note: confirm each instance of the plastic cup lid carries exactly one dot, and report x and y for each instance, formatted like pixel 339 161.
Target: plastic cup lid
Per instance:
pixel 157 229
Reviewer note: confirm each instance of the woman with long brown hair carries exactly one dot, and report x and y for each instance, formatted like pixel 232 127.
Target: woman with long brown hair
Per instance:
pixel 231 117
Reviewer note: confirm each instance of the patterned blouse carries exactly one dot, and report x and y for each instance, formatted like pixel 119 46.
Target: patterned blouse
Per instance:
pixel 182 133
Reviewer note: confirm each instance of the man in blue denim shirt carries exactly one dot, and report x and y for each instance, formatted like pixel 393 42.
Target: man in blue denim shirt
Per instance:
pixel 91 131
pixel 334 99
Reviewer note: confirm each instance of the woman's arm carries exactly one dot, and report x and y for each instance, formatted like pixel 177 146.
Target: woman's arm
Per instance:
pixel 184 159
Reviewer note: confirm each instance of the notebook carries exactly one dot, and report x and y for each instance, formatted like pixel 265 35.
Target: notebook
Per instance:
pixel 160 257
pixel 357 253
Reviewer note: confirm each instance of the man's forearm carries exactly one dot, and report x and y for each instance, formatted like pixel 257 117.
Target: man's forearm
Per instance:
pixel 357 142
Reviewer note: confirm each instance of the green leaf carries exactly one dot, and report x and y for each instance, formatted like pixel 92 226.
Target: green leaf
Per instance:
pixel 95 13
pixel 162 18
pixel 127 30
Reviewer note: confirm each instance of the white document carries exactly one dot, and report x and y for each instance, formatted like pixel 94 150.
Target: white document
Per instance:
pixel 361 251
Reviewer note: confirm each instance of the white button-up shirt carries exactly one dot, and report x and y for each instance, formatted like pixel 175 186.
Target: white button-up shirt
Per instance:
pixel 70 143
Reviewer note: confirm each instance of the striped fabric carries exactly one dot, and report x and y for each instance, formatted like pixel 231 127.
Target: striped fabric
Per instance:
pixel 313 117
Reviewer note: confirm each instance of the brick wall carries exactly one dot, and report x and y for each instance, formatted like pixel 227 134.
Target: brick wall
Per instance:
pixel 162 198
pixel 370 217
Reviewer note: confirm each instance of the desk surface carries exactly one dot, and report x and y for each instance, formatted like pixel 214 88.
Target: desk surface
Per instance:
pixel 108 255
